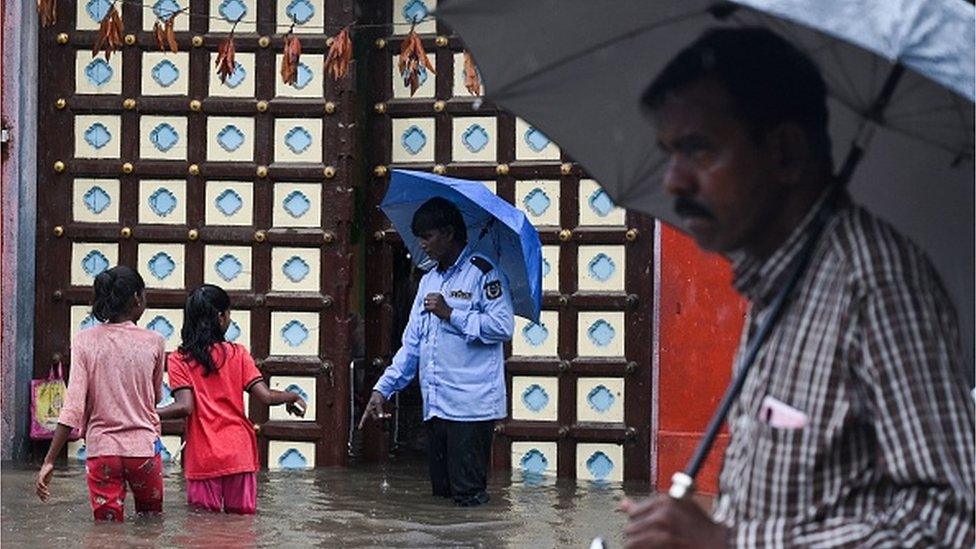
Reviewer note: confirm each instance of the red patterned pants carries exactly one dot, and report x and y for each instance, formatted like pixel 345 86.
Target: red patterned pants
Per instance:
pixel 107 478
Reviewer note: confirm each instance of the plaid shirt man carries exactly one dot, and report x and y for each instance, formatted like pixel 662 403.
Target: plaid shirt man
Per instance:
pixel 868 350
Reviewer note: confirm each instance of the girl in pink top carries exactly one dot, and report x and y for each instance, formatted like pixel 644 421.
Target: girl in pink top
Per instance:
pixel 115 381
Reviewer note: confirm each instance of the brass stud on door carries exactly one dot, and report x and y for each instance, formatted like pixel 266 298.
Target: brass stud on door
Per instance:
pixel 440 169
pixel 565 235
pixel 566 168
pixel 329 237
pixel 380 171
pixel 58 231
pixel 197 41
pixel 329 172
pixel 330 107
pixel 379 236
pixel 195 105
pixel 329 41
pixel 57 295
pixel 130 40
pixel 631 367
pixel 126 232
pixel 60 103
pixel 379 43
pixel 631 235
pixel 261 106
pixel 262 171
pixel 379 108
pixel 129 104
pixel 193 169
pixel 192 235
pixel 59 166
pixel 378 299
pixel 565 365
pixel 563 300
pixel 128 168
pixel 327 301
pixel 501 169
pixel 439 106
pixel 62 38
pixel 499 428
pixel 441 41
pixel 259 300
pixel 264 41
pixel 260 236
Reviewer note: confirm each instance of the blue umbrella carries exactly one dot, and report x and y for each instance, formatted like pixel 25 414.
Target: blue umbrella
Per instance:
pixel 496 229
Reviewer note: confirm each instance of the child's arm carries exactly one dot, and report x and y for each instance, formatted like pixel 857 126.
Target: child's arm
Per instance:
pixel 181 408
pixel 272 397
pixel 47 469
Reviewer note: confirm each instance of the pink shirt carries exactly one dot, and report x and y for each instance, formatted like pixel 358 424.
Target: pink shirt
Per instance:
pixel 114 382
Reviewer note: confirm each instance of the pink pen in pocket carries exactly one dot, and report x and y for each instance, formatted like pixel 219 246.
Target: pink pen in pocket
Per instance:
pixel 780 415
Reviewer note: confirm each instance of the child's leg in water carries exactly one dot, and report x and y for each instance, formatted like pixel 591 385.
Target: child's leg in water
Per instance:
pixel 106 487
pixel 240 493
pixel 145 477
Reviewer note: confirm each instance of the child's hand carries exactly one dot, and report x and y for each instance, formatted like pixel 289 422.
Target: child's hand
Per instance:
pixel 297 406
pixel 43 480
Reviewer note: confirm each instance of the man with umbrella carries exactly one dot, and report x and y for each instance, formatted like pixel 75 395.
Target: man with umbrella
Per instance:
pixel 460 319
pixel 855 425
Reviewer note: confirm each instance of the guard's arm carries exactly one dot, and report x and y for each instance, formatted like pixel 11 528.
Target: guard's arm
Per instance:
pixel 491 319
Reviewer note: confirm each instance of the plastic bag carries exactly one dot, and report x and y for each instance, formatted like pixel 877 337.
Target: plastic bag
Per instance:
pixel 47 398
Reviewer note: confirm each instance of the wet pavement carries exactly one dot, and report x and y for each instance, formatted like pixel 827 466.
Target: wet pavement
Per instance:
pixel 361 506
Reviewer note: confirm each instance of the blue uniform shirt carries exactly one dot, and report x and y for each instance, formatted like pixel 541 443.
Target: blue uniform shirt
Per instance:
pixel 461 361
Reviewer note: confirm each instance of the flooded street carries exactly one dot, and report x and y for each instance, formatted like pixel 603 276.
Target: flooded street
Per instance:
pixel 362 506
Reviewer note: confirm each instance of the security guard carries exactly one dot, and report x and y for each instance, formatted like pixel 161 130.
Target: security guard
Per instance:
pixel 459 320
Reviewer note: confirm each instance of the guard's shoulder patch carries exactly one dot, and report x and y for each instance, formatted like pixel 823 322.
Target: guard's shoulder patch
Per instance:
pixel 482 264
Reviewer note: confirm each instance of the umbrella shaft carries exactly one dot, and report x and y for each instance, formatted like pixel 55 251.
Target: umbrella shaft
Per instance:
pixel 873 116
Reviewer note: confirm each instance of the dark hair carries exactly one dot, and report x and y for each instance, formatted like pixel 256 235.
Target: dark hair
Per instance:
pixel 201 325
pixel 114 289
pixel 770 81
pixel 439 213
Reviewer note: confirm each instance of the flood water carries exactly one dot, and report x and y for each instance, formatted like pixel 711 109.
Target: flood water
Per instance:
pixel 363 506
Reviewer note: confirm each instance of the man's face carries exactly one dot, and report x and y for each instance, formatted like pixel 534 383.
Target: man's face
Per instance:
pixel 724 182
pixel 438 243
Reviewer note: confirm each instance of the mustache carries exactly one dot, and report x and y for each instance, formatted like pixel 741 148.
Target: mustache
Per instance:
pixel 686 207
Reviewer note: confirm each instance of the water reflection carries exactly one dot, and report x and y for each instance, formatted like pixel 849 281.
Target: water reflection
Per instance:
pixel 363 506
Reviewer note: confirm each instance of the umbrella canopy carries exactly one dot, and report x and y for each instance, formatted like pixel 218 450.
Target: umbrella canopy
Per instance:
pixel 496 229
pixel 576 69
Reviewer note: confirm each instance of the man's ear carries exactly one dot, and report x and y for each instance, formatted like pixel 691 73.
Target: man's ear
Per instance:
pixel 791 151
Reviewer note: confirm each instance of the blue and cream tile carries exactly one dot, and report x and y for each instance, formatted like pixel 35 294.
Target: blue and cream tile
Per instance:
pixel 532 144
pixel 81 319
pixel 475 139
pixel 295 269
pixel 413 140
pixel 162 201
pixel 88 259
pixel 406 12
pixel 536 458
pixel 239 329
pixel 596 207
pixel 98 136
pixel 600 462
pixel 165 73
pixel 540 339
pixel 95 200
pixel 230 203
pixel 304 386
pixel 167 323
pixel 458 87
pixel 287 454
pixel 223 14
pixel 426 78
pixel 298 140
pixel 535 398
pixel 162 265
pixel 239 83
pixel 77 451
pixel 167 396
pixel 96 75
pixel 172 446
pixel 228 267
pixel 601 268
pixel 297 205
pixel 90 13
pixel 294 333
pixel 161 10
pixel 308 77
pixel 230 139
pixel 550 268
pixel 600 334
pixel 600 399
pixel 163 137
pixel 491 185
pixel 539 199
pixel 308 16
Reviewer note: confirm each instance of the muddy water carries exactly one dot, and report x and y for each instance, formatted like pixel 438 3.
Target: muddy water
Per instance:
pixel 362 506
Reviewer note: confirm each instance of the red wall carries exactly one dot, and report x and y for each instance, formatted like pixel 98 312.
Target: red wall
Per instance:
pixel 700 317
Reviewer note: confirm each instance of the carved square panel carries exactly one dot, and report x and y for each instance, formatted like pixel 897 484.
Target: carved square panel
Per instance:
pixel 475 139
pixel 230 139
pixel 550 268
pixel 532 144
pixel 95 200
pixel 308 78
pixel 89 13
pixel 413 140
pixel 600 399
pixel 162 265
pixel 239 329
pixel 539 199
pixel 596 207
pixel 224 13
pixel 298 140
pixel 600 462
pixel 165 73
pixel 458 87
pixel 230 203
pixel 239 83
pixel 228 267
pixel 540 339
pixel 294 333
pixel 600 334
pixel 308 16
pixel 98 136
pixel 535 398
pixel 162 201
pixel 289 454
pixel 304 386
pixel 81 319
pixel 535 458
pixel 602 268
pixel 89 259
pixel 406 12
pixel 163 137
pixel 167 323
pixel 171 448
pixel 161 10
pixel 94 76
pixel 298 205
pixel 295 269
pixel 426 78
pixel 167 396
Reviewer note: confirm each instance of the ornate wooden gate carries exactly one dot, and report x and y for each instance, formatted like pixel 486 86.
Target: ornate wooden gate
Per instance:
pixel 580 380
pixel 147 159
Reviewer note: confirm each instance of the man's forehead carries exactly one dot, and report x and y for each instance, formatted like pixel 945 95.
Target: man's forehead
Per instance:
pixel 697 106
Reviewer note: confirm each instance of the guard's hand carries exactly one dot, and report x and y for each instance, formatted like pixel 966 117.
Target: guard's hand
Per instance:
pixel 374 409
pixel 661 521
pixel 41 485
pixel 434 302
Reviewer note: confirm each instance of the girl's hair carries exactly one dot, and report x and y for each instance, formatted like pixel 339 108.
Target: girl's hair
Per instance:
pixel 201 324
pixel 114 289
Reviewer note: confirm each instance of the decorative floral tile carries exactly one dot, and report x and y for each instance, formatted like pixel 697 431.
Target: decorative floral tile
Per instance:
pixel 602 268
pixel 89 13
pixel 308 16
pixel 171 448
pixel 297 205
pixel 600 334
pixel 550 268
pixel 230 203
pixel 96 75
pixel 95 200
pixel 304 386
pixel 406 12
pixel 533 339
pixel 81 319
pixel 239 329
pixel 535 398
pixel 458 87
pixel 532 144
pixel 287 454
pixel 239 83
pixel 161 10
pixel 165 73
pixel 230 139
pixel 166 322
pixel 600 462
pixel 600 399
pixel 98 136
pixel 163 137
pixel 295 269
pixel 413 140
pixel 167 396
pixel 427 80
pixel 162 265
pixel 596 207
pixel 298 140
pixel 475 139
pixel 308 79
pixel 535 458
pixel 90 259
pixel 294 333
pixel 225 12
pixel 539 199
pixel 229 267
pixel 162 201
